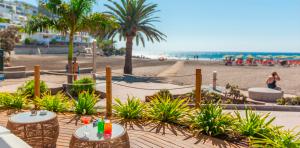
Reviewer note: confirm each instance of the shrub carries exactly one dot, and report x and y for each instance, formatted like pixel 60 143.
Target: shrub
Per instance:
pixel 12 101
pixel 132 109
pixel 56 103
pixel 28 88
pixel 253 124
pixel 289 101
pixel 278 139
pixel 165 109
pixel 164 93
pixel 27 41
pixel 85 103
pixel 81 85
pixel 234 92
pixel 211 120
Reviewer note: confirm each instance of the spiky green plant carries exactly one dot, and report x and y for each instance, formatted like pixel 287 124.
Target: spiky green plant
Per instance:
pixel 28 88
pixel 86 103
pixel 131 109
pixel 253 124
pixel 55 103
pixel 278 139
pixel 8 100
pixel 83 84
pixel 211 120
pixel 166 109
pixel 164 93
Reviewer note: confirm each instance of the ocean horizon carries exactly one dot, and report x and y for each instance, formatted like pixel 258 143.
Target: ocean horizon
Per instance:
pixel 211 55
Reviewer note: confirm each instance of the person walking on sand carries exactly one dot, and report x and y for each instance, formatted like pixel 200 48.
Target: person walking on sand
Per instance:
pixel 271 81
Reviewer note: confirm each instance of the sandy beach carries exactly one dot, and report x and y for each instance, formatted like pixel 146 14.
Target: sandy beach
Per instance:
pixel 243 76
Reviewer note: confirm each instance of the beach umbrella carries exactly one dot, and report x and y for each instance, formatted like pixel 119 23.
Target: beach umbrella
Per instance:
pixel 250 57
pixel 296 57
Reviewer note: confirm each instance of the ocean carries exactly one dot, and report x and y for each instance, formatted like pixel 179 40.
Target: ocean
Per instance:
pixel 205 55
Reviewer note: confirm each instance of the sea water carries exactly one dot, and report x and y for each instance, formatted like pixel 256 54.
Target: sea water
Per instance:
pixel 206 55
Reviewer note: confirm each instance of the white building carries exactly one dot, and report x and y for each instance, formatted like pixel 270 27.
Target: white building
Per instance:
pixel 18 14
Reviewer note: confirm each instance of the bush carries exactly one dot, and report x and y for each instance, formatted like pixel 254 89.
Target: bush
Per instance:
pixel 289 101
pixel 132 109
pixel 85 104
pixel 27 41
pixel 165 109
pixel 253 124
pixel 83 85
pixel 12 101
pixel 56 103
pixel 164 93
pixel 211 120
pixel 28 88
pixel 278 139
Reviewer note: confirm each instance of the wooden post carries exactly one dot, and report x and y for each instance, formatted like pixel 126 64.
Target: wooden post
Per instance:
pixel 108 92
pixel 75 71
pixel 94 60
pixel 215 80
pixel 37 93
pixel 198 88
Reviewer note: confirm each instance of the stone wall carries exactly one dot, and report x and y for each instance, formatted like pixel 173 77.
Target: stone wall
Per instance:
pixel 44 50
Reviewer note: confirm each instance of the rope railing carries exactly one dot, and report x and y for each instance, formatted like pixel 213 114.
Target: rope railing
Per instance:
pixel 140 88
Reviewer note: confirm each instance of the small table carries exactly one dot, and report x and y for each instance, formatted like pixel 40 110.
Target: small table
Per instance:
pixel 37 131
pixel 118 139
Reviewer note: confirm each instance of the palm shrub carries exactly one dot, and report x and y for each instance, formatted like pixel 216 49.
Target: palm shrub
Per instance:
pixel 253 124
pixel 55 103
pixel 211 120
pixel 164 93
pixel 166 109
pixel 278 139
pixel 132 109
pixel 8 100
pixel 85 103
pixel 28 88
pixel 84 84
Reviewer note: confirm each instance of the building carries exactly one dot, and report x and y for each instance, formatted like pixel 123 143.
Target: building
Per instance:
pixel 18 14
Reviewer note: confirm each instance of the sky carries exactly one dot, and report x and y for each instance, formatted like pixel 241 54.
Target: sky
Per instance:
pixel 225 25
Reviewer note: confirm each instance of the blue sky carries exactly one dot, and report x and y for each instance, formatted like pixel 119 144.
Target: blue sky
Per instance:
pixel 223 25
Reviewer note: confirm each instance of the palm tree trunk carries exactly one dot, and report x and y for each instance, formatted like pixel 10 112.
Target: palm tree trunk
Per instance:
pixel 128 56
pixel 70 57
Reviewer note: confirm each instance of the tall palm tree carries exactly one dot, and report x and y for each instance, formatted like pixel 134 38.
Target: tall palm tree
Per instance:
pixel 135 18
pixel 70 17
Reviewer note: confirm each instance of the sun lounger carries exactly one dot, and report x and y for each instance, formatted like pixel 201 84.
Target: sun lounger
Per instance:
pixel 4 130
pixel 12 141
pixel 8 140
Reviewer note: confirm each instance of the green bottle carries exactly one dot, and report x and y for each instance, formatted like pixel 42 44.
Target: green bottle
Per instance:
pixel 101 126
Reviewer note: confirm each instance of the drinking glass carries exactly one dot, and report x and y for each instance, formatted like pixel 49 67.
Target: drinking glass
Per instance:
pixel 85 121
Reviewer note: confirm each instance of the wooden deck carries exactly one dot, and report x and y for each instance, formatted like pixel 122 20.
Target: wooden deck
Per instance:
pixel 146 138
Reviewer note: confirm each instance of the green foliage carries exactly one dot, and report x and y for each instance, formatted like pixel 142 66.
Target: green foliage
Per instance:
pixel 4 20
pixel 132 109
pixel 53 41
pixel 234 92
pixel 28 88
pixel 253 124
pixel 27 41
pixel 289 101
pixel 83 84
pixel 211 120
pixel 85 103
pixel 166 109
pixel 55 103
pixel 164 93
pixel 8 100
pixel 278 139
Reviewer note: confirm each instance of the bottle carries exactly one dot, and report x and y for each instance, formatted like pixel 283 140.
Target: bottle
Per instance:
pixel 108 127
pixel 100 126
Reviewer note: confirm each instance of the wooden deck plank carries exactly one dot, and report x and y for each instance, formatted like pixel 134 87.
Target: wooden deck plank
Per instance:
pixel 138 138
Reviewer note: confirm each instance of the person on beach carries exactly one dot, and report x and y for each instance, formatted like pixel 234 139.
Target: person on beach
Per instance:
pixel 271 81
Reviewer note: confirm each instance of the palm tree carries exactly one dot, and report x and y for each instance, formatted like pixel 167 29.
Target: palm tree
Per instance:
pixel 70 17
pixel 135 18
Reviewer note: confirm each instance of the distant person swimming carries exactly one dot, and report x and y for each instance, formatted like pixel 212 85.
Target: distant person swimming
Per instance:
pixel 271 82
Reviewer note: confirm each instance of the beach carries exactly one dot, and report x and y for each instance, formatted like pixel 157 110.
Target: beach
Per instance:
pixel 171 71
